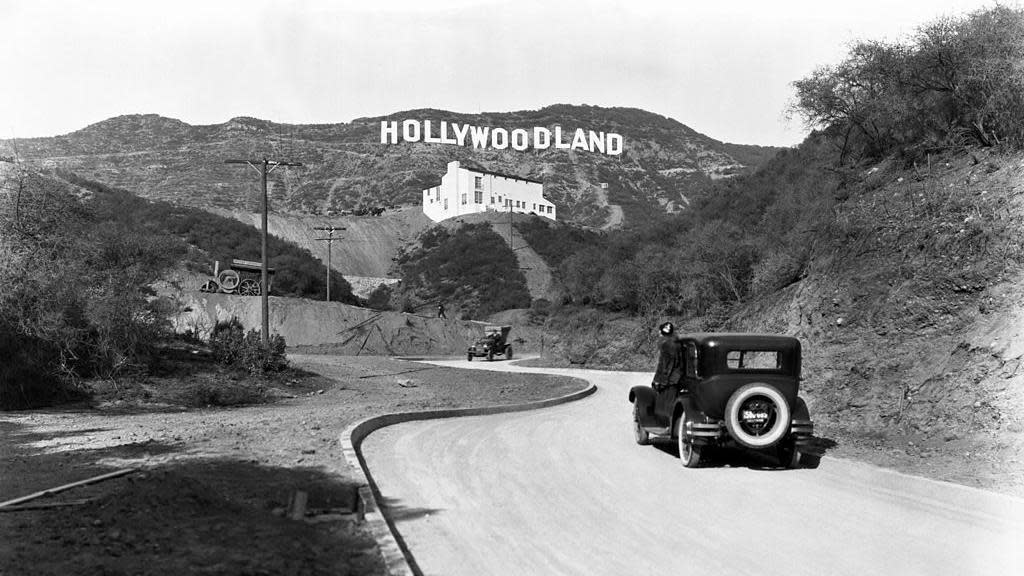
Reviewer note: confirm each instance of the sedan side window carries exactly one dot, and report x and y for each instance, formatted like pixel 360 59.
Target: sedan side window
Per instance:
pixel 691 360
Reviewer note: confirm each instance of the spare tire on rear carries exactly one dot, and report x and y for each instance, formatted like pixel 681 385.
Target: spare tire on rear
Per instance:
pixel 757 415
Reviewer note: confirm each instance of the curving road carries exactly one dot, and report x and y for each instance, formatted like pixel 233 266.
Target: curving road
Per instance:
pixel 565 490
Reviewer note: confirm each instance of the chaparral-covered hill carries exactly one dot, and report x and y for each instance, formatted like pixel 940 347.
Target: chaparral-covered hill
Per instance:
pixel 345 166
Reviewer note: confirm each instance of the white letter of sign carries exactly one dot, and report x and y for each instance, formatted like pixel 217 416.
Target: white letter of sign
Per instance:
pixel 614 143
pixel 444 134
pixel 558 139
pixel 541 138
pixel 388 131
pixel 579 140
pixel 460 133
pixel 408 134
pixel 426 134
pixel 499 143
pixel 519 139
pixel 479 136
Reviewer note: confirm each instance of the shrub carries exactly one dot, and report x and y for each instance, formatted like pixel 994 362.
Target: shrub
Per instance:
pixel 471 267
pixel 957 81
pixel 232 346
pixel 380 298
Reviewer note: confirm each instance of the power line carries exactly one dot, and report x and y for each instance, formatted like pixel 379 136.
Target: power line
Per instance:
pixel 330 240
pixel 264 167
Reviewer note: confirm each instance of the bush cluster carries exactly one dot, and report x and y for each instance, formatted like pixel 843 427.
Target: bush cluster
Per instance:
pixel 75 300
pixel 232 346
pixel 297 272
pixel 471 268
pixel 957 80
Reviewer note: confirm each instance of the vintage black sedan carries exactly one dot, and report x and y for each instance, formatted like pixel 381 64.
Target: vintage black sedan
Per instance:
pixel 736 389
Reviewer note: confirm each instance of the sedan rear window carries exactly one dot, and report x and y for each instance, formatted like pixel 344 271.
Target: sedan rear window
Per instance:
pixel 753 360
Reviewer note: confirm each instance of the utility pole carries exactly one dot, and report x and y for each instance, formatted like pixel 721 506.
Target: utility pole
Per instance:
pixel 264 167
pixel 330 240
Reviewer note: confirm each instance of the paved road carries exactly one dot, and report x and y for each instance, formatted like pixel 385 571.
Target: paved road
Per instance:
pixel 565 490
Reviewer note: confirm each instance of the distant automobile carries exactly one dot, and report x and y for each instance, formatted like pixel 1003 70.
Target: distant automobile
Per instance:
pixel 737 389
pixel 494 343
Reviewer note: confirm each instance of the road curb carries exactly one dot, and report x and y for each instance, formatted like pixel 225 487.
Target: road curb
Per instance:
pixel 397 558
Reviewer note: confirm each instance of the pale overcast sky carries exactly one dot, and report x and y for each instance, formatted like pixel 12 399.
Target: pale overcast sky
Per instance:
pixel 724 67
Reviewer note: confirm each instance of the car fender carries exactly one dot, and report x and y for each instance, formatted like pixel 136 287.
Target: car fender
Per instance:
pixel 644 397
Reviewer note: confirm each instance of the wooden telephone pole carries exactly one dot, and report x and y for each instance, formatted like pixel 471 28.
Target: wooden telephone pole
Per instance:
pixel 330 240
pixel 264 167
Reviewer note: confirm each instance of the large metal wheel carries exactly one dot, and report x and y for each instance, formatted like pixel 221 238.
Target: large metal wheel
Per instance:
pixel 228 280
pixel 640 434
pixel 249 287
pixel 210 286
pixel 689 453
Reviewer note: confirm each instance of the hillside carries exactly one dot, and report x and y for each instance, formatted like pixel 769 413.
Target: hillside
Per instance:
pixel 906 293
pixel 366 247
pixel 346 167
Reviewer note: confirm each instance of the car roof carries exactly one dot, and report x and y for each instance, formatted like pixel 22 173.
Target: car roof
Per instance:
pixel 748 340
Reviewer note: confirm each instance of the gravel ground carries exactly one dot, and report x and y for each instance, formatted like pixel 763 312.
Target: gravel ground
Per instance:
pixel 212 487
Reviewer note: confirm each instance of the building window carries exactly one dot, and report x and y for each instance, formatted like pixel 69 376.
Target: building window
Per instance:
pixel 478 196
pixel 478 182
pixel 463 197
pixel 499 200
pixel 446 204
pixel 437 192
pixel 549 209
pixel 492 199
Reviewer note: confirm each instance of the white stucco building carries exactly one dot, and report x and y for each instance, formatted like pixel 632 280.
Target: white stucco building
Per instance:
pixel 467 191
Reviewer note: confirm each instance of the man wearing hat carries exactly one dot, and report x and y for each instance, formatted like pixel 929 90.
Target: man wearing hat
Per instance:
pixel 670 359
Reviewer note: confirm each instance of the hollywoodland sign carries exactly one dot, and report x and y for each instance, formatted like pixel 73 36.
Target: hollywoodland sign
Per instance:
pixel 483 137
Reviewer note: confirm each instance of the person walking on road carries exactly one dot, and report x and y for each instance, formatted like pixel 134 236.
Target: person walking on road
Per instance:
pixel 440 310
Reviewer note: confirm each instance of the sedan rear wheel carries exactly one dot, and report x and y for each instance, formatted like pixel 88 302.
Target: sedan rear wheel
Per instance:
pixel 689 453
pixel 640 434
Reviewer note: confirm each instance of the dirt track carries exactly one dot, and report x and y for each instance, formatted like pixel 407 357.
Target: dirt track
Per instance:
pixel 565 490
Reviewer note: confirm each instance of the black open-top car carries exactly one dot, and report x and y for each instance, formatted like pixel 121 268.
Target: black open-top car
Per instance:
pixel 494 343
pixel 736 389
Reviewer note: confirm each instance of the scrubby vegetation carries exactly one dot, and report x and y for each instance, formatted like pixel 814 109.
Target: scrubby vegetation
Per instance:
pixel 74 290
pixel 956 84
pixel 470 268
pixel 77 259
pixel 297 272
pixel 957 81
pixel 232 346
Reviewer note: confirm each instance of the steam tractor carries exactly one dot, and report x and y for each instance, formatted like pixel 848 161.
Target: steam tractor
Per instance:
pixel 242 277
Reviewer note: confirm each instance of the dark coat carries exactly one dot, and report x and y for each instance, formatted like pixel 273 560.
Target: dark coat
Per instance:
pixel 670 363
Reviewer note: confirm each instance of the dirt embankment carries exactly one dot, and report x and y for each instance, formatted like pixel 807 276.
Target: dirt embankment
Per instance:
pixel 912 319
pixel 343 329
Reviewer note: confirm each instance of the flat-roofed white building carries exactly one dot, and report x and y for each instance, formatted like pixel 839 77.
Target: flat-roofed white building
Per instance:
pixel 467 191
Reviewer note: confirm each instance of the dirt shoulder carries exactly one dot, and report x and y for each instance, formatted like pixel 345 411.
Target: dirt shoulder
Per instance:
pixel 213 486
